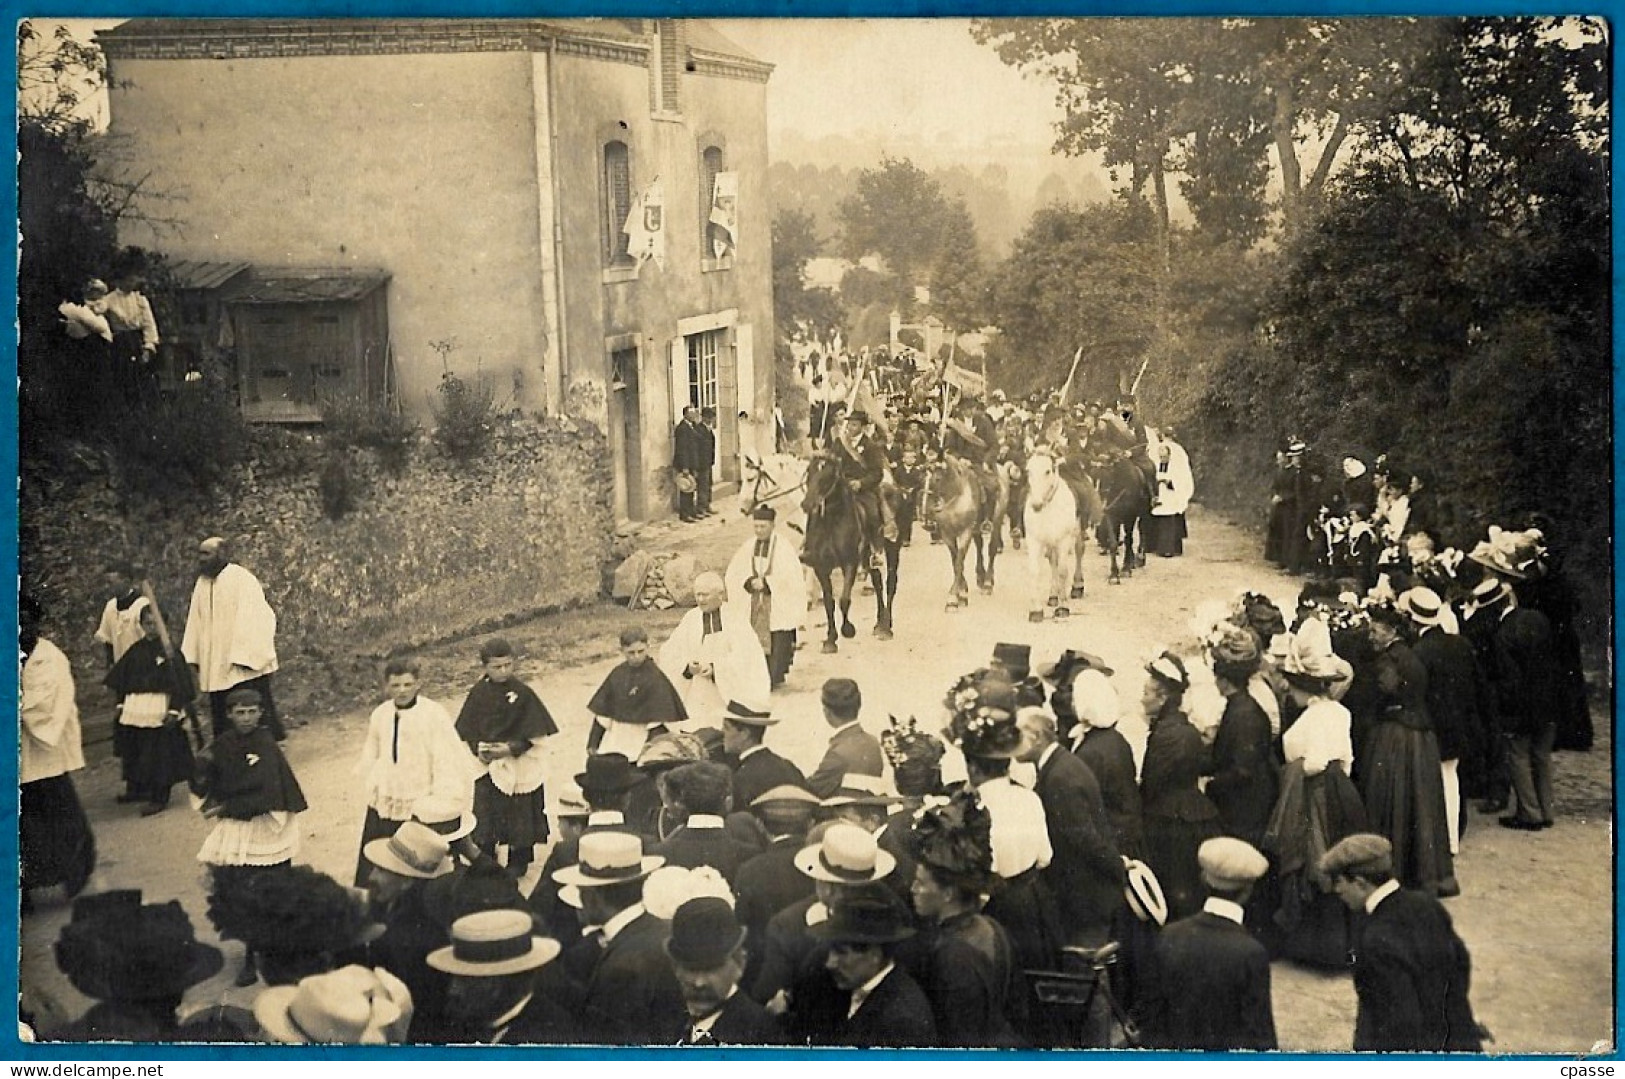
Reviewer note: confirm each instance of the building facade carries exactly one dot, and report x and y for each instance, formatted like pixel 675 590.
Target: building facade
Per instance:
pixel 574 210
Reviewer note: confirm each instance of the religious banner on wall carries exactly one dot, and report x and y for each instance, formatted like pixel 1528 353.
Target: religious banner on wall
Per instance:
pixel 725 214
pixel 645 226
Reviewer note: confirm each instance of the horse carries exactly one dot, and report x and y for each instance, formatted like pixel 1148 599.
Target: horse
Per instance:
pixel 1053 538
pixel 955 507
pixel 1126 495
pixel 834 543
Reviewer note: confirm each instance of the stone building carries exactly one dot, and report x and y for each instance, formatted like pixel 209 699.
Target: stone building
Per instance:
pixel 574 210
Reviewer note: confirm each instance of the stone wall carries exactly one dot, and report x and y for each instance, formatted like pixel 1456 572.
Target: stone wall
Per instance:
pixel 441 549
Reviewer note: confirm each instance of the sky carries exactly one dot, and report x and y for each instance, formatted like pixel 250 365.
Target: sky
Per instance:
pixel 922 77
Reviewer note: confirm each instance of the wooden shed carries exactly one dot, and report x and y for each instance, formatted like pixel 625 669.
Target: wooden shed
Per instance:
pixel 305 335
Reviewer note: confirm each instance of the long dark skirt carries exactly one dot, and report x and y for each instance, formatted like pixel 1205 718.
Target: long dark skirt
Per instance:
pixel 1170 851
pixel 1025 908
pixel 1165 535
pixel 1313 924
pixel 55 843
pixel 159 758
pixel 1404 799
pixel 517 821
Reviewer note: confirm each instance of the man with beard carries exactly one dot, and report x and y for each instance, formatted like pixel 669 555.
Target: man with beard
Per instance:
pixel 230 637
pixel 707 952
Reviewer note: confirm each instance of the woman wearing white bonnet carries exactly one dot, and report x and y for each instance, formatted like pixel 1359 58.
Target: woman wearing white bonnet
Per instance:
pixel 1099 744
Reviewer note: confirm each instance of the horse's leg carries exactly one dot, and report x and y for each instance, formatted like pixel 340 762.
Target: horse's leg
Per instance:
pixel 849 578
pixel 1111 549
pixel 827 587
pixel 1079 543
pixel 894 561
pixel 958 590
pixel 882 611
pixel 1065 556
pixel 1041 579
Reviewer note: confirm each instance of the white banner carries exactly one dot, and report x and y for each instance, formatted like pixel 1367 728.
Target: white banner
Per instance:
pixel 968 382
pixel 645 226
pixel 725 214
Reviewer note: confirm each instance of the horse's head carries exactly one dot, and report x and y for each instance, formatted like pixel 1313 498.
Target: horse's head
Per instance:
pixel 823 480
pixel 1041 465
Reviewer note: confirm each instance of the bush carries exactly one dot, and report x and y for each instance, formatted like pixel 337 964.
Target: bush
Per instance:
pixel 337 485
pixel 354 421
pixel 464 415
pixel 179 447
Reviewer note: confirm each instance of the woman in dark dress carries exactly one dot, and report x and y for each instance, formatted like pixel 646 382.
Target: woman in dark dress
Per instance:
pixel 1099 744
pixel 967 962
pixel 1317 807
pixel 1178 817
pixel 1400 778
pixel 1243 769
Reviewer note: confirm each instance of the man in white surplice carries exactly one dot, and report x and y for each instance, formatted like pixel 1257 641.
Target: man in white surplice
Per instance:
pixel 712 657
pixel 767 575
pixel 230 637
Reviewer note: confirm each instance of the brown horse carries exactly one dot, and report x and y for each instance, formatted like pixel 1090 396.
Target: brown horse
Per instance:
pixel 834 542
pixel 959 511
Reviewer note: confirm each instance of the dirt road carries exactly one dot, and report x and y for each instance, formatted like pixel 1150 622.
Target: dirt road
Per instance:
pixel 1535 910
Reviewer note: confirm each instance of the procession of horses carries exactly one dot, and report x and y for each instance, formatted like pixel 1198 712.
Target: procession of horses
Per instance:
pixel 973 475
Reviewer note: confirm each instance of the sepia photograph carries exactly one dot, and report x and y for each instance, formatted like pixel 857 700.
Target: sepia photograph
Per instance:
pixel 1079 535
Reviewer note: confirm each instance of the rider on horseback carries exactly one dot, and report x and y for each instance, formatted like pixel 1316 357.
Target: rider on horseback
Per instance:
pixel 973 437
pixel 860 461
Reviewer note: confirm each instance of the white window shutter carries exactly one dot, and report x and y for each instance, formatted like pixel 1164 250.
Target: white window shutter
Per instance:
pixel 679 378
pixel 745 380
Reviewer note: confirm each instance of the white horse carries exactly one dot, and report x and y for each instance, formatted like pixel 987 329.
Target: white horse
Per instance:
pixel 1053 537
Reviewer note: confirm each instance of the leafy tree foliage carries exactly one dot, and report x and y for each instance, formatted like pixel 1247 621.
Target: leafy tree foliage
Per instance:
pixel 795 306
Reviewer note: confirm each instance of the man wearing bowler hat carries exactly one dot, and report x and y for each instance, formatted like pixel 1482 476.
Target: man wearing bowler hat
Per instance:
pixel 851 748
pixel 707 952
pixel 492 998
pixel 631 996
pixel 1411 971
pixel 1213 977
pixel 884 1007
pixel 757 769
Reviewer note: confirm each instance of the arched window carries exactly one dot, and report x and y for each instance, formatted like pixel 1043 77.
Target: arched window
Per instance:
pixel 617 202
pixel 715 243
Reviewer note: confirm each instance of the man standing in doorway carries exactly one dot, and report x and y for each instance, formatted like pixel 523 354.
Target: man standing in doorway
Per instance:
pixel 708 448
pixel 688 459
pixel 230 637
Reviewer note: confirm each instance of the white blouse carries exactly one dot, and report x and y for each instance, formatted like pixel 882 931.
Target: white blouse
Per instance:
pixel 1320 736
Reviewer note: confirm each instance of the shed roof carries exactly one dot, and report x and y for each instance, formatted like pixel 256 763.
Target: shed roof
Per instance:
pixel 198 274
pixel 279 284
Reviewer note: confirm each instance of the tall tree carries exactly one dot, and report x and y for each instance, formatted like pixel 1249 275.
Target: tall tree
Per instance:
pixel 795 241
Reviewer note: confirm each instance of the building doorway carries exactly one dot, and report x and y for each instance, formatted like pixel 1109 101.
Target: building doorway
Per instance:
pixel 626 429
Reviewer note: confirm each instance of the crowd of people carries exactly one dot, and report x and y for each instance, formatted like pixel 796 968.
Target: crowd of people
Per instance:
pixel 999 871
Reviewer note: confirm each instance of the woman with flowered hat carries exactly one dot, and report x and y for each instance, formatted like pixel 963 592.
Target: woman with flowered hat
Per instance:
pixel 1318 803
pixel 982 726
pixel 1178 817
pixel 968 965
pixel 1400 778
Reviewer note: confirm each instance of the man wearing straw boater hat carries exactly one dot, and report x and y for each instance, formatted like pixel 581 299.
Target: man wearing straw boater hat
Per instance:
pixel 707 952
pixel 1524 677
pixel 401 866
pixel 1456 695
pixel 757 769
pixel 350 1006
pixel 493 998
pixel 841 860
pixel 1213 976
pixel 631 996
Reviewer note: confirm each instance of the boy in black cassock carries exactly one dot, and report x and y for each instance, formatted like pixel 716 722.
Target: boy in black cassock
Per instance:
pixel 153 691
pixel 635 702
pixel 504 722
